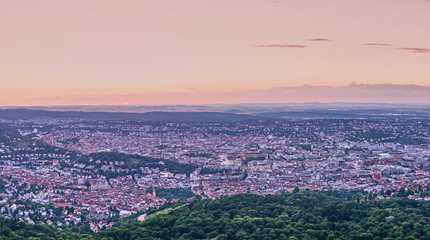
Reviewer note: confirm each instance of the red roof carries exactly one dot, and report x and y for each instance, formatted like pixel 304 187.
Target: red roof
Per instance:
pixel 62 205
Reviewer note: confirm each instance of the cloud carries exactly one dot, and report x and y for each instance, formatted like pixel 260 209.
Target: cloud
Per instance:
pixel 318 40
pixel 280 46
pixel 398 93
pixel 414 50
pixel 354 92
pixel 377 44
pixel 410 49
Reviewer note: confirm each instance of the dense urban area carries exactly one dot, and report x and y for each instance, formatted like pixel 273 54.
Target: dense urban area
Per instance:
pixel 86 176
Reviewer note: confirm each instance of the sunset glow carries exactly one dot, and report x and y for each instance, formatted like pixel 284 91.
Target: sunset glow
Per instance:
pixel 196 51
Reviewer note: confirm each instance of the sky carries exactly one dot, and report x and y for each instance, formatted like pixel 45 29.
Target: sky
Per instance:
pixel 97 52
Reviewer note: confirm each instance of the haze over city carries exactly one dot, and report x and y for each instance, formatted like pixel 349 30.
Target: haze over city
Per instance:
pixel 202 52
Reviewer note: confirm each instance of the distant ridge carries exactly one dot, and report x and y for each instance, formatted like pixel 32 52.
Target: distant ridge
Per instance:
pixel 26 114
pixel 224 113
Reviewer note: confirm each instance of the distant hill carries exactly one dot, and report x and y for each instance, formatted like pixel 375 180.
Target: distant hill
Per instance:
pixel 225 113
pixel 25 114
pixel 348 114
pixel 248 108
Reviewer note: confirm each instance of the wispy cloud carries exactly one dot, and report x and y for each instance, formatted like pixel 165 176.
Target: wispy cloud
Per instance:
pixel 409 49
pixel 354 92
pixel 318 40
pixel 414 49
pixel 377 44
pixel 280 46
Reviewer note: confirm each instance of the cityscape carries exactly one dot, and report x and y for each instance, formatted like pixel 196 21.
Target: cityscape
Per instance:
pixel 91 173
pixel 215 120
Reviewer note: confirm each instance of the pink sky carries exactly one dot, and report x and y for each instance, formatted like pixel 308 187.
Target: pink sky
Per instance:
pixel 224 51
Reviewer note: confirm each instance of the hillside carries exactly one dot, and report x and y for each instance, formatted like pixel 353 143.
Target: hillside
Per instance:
pixel 308 215
pixel 300 215
pixel 15 114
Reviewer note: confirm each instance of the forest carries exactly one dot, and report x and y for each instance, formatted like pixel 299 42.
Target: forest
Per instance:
pixel 297 215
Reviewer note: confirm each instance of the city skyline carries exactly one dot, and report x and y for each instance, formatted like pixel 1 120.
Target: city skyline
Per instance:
pixel 203 52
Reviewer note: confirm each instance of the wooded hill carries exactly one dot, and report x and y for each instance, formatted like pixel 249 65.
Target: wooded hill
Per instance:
pixel 298 215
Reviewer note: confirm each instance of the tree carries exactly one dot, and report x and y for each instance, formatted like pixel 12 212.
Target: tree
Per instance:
pixel 402 192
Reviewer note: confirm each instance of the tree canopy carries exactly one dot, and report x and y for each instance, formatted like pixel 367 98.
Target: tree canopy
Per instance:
pixel 300 215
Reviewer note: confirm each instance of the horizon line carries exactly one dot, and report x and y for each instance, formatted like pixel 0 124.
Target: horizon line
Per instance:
pixel 210 104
